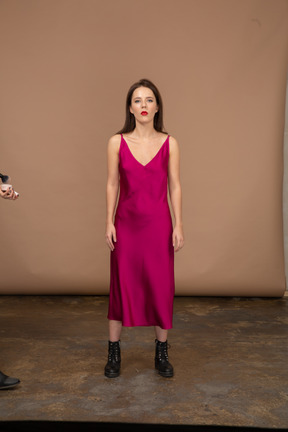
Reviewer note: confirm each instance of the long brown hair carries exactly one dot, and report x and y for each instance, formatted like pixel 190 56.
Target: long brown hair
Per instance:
pixel 130 123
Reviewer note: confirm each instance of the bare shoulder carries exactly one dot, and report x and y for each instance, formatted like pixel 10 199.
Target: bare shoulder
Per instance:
pixel 173 144
pixel 114 143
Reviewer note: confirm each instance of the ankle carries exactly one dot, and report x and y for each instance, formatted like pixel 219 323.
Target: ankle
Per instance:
pixel 161 342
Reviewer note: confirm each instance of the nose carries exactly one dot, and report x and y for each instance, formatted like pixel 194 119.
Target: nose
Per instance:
pixel 143 104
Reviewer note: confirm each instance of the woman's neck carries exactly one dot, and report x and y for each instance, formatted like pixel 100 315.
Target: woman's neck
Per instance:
pixel 144 131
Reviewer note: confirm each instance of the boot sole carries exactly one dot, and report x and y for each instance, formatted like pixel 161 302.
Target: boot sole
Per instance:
pixel 6 387
pixel 166 375
pixel 112 375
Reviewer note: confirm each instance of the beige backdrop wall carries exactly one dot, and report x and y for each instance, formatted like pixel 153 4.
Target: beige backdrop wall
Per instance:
pixel 65 68
pixel 285 187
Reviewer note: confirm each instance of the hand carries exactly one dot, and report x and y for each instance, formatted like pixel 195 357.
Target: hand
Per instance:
pixel 178 238
pixel 111 236
pixel 9 194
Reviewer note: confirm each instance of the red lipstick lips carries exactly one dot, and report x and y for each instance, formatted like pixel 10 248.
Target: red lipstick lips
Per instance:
pixel 144 113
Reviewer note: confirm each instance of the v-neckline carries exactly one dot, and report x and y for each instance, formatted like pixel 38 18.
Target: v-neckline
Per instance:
pixel 153 156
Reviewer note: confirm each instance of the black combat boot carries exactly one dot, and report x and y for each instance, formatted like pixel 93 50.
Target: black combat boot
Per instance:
pixel 162 364
pixel 7 382
pixel 112 368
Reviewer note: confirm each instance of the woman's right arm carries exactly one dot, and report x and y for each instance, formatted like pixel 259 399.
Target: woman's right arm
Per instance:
pixel 112 188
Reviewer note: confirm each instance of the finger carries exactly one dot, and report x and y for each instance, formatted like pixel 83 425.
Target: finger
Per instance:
pixel 181 244
pixel 114 237
pixel 109 242
pixel 173 240
pixel 110 245
pixel 112 240
pixel 176 244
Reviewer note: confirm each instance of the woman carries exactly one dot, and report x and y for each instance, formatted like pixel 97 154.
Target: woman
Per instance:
pixel 142 159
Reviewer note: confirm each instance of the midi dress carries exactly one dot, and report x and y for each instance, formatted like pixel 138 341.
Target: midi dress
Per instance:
pixel 142 283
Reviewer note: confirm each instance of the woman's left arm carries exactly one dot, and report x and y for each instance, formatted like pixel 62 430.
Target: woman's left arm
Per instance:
pixel 175 193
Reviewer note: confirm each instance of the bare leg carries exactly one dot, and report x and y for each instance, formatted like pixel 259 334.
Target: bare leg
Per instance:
pixel 161 334
pixel 115 328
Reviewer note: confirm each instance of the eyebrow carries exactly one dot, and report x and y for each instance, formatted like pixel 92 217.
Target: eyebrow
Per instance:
pixel 147 97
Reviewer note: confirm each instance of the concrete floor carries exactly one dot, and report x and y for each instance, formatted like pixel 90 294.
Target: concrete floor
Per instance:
pixel 229 356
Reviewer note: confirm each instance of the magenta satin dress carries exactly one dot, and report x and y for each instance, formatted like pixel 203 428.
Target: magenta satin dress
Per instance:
pixel 142 263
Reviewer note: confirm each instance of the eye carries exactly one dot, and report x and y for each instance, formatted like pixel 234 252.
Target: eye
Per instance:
pixel 150 100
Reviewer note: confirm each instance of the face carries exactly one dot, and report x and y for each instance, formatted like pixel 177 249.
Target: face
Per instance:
pixel 143 104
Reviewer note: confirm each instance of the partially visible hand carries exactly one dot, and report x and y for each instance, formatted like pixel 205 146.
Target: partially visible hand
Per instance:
pixel 111 236
pixel 9 194
pixel 178 238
